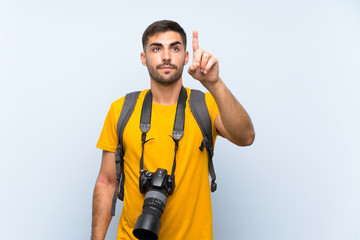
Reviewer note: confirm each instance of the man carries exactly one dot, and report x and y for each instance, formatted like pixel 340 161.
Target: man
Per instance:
pixel 187 214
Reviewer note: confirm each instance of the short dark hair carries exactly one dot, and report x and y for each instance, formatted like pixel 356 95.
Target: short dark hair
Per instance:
pixel 163 26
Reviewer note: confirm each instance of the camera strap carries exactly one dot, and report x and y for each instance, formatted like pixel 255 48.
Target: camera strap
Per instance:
pixel 178 131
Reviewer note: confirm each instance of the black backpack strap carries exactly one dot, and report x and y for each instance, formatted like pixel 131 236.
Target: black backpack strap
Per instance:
pixel 126 111
pixel 201 114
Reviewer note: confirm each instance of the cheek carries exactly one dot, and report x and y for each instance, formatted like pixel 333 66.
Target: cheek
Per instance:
pixel 153 59
pixel 184 59
pixel 151 64
pixel 148 61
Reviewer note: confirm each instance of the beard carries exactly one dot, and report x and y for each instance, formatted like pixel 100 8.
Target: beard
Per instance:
pixel 166 78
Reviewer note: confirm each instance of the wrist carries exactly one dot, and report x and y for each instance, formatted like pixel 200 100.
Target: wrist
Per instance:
pixel 215 86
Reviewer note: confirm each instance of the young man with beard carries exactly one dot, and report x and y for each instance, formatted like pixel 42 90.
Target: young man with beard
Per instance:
pixel 188 213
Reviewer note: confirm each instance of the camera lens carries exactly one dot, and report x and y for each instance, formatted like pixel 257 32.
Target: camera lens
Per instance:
pixel 148 224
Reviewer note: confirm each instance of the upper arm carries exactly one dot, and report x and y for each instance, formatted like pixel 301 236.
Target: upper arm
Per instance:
pixel 249 138
pixel 107 174
pixel 221 129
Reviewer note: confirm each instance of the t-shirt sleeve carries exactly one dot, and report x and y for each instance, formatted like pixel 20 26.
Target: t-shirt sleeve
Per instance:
pixel 108 138
pixel 213 112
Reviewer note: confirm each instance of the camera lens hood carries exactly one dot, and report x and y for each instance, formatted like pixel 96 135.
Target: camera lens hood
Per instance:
pixel 147 227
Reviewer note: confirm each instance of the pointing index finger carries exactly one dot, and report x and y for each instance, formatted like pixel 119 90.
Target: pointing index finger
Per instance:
pixel 195 41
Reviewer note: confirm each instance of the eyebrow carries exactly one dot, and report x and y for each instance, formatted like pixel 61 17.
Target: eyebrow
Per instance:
pixel 175 43
pixel 159 44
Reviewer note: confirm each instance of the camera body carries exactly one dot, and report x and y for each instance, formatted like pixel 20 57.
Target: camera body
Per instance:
pixel 156 186
pixel 159 179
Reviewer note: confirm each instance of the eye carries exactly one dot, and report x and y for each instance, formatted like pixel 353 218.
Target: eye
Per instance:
pixel 155 49
pixel 176 49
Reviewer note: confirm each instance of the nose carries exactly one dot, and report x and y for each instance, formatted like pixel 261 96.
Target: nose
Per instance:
pixel 166 57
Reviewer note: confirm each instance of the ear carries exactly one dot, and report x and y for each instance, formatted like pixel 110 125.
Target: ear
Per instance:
pixel 143 58
pixel 186 57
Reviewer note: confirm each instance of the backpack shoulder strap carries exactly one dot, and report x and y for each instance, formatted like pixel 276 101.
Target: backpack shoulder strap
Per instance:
pixel 126 111
pixel 200 111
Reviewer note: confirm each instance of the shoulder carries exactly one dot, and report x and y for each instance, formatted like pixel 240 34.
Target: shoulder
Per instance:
pixel 209 99
pixel 117 105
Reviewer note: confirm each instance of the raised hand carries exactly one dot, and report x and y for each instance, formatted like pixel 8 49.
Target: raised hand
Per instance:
pixel 205 67
pixel 232 122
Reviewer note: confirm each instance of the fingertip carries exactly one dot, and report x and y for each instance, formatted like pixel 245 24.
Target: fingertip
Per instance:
pixel 196 65
pixel 191 71
pixel 191 68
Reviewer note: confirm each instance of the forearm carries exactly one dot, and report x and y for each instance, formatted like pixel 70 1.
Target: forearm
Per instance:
pixel 101 216
pixel 234 117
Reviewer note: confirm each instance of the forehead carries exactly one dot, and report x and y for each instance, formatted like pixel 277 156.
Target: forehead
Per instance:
pixel 165 38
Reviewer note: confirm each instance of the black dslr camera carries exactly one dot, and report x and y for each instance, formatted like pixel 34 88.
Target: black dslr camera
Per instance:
pixel 157 187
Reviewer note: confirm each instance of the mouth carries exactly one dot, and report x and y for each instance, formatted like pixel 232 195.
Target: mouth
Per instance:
pixel 166 68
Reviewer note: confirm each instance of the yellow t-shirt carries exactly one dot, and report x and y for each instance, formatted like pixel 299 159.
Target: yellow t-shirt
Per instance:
pixel 187 213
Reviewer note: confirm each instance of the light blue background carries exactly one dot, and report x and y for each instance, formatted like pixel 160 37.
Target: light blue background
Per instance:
pixel 294 65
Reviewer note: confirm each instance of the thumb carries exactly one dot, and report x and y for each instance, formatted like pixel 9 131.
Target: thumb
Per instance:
pixel 193 67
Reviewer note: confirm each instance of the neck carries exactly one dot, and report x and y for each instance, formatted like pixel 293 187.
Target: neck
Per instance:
pixel 166 94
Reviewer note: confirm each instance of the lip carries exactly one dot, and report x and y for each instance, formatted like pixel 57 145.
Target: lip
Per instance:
pixel 166 68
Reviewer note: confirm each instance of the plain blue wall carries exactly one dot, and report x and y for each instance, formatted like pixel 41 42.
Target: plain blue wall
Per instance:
pixel 293 65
